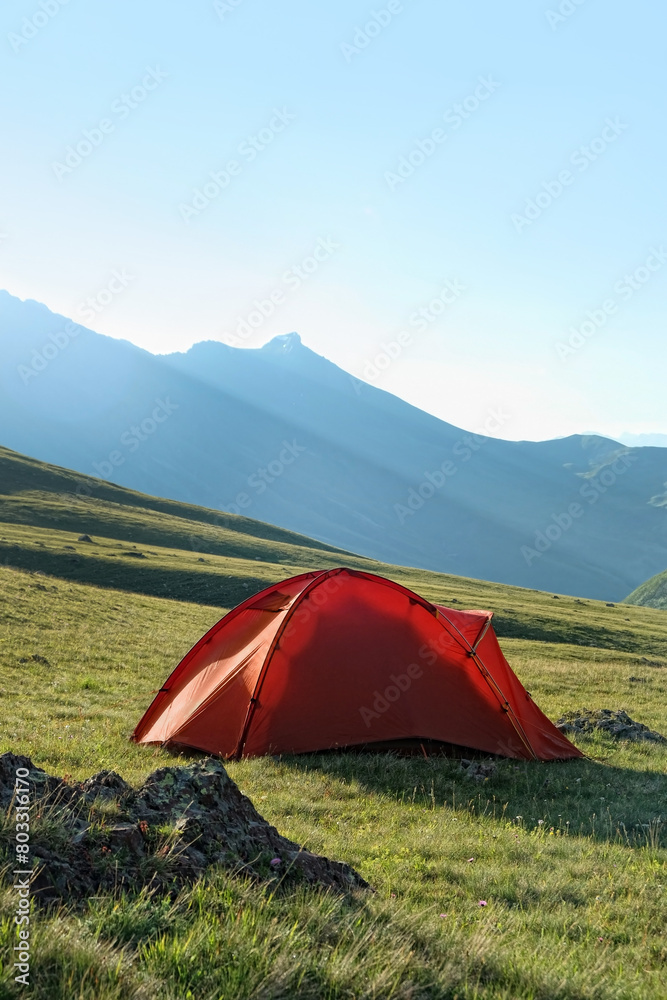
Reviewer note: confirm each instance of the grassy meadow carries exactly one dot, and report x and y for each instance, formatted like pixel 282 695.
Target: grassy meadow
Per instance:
pixel 542 882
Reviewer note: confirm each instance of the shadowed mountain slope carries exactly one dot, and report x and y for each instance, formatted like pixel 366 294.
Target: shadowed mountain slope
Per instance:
pixel 281 435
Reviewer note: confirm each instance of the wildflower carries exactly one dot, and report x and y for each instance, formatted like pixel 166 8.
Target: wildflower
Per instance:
pixel 482 902
pixel 276 861
pixel 443 914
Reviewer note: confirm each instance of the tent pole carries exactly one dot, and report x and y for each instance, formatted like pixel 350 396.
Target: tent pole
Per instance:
pixel 238 753
pixel 491 681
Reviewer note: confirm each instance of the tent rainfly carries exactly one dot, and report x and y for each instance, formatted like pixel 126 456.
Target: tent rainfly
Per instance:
pixel 343 658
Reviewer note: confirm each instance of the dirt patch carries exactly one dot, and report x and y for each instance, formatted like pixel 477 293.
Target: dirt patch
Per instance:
pixel 619 725
pixel 104 834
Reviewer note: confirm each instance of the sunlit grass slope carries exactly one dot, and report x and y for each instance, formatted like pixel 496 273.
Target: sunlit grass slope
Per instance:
pixel 163 548
pixel 542 882
pixel 652 593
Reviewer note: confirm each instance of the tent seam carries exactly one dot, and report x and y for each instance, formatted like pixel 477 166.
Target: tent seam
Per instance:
pixel 492 682
pixel 238 753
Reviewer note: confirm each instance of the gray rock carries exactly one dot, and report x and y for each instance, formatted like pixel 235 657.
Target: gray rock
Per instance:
pixel 126 835
pixel 211 823
pixel 617 724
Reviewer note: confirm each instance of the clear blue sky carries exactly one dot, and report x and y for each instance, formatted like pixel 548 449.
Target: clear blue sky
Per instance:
pixel 329 174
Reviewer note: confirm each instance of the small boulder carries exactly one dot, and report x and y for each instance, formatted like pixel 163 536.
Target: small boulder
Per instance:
pixel 35 658
pixel 126 835
pixel 478 770
pixel 105 785
pixel 616 724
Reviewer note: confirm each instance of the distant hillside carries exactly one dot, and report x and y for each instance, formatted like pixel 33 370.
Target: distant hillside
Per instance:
pixel 283 436
pixel 644 440
pixel 33 492
pixel 58 524
pixel 652 594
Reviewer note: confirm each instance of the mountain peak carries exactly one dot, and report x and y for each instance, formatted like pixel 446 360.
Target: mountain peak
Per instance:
pixel 283 344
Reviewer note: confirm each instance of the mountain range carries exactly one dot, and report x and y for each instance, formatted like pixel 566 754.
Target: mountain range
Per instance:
pixel 282 435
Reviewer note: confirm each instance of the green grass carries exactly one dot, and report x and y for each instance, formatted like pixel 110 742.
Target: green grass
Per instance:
pixel 569 858
pixel 209 557
pixel 35 493
pixel 651 594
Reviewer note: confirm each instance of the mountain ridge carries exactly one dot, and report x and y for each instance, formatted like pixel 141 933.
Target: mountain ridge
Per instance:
pixel 281 434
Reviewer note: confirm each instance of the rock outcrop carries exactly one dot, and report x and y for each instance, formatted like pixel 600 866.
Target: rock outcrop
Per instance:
pixel 103 834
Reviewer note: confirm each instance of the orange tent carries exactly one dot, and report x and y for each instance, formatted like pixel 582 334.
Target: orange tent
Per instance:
pixel 339 658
